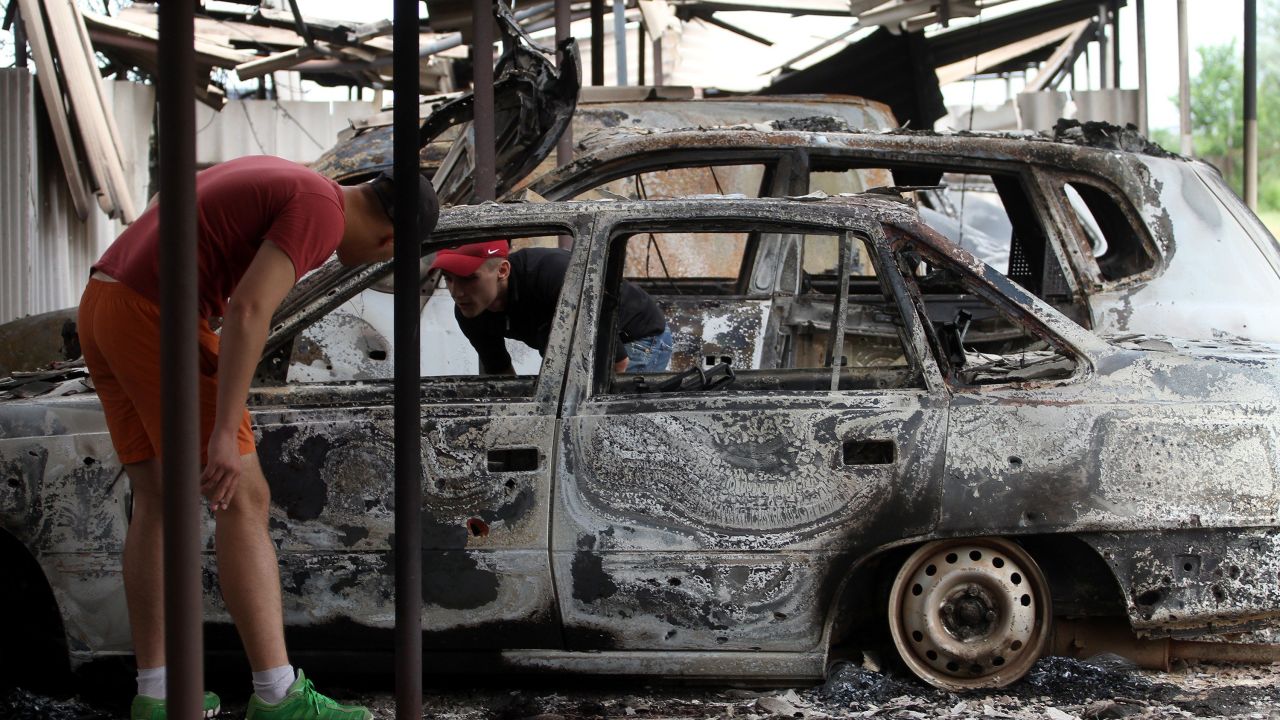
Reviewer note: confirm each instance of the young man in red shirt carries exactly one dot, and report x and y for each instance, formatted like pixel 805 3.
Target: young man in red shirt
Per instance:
pixel 263 222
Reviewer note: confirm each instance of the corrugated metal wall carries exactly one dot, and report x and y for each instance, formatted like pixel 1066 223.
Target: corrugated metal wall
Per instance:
pixel 45 250
pixel 17 188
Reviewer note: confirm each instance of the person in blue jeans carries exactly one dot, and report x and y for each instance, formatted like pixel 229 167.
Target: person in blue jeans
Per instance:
pixel 499 294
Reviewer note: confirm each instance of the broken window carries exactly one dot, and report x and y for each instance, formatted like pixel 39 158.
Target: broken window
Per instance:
pixel 1116 246
pixel 779 339
pixel 355 341
pixel 741 180
pixel 979 341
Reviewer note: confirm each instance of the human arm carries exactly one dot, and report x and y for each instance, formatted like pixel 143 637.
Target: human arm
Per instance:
pixel 244 333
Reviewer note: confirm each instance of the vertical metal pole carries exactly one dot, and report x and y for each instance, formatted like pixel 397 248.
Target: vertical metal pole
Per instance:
pixel 640 52
pixel 620 40
pixel 19 39
pixel 1104 49
pixel 657 62
pixel 1115 43
pixel 597 42
pixel 1251 103
pixel 1184 82
pixel 483 122
pixel 840 316
pixel 180 459
pixel 406 422
pixel 564 147
pixel 1140 8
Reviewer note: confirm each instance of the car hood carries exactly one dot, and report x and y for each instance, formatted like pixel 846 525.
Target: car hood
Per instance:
pixel 533 102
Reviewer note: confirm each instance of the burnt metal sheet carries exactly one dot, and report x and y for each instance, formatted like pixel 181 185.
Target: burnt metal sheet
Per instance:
pixel 720 528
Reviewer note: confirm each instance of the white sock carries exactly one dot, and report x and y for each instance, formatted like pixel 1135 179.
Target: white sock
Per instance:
pixel 273 684
pixel 151 682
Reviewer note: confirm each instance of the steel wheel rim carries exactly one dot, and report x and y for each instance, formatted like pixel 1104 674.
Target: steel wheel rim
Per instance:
pixel 970 613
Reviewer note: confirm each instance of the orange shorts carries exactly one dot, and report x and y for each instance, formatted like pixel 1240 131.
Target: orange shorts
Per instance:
pixel 120 336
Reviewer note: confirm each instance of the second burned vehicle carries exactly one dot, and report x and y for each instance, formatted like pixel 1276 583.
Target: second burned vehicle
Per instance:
pixel 887 441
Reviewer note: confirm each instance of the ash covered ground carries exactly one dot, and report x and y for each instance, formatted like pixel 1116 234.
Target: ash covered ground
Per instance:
pixel 1056 689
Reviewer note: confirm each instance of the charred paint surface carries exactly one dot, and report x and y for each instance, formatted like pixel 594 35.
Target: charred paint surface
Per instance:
pixel 1183 581
pixel 719 522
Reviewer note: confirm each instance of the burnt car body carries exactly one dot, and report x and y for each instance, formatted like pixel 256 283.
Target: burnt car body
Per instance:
pixel 1117 234
pixel 894 430
pixel 1107 227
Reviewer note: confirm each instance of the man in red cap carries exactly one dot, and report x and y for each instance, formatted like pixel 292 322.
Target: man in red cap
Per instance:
pixel 499 295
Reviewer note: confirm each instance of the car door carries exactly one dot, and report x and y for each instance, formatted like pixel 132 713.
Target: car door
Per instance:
pixel 487 457
pixel 725 518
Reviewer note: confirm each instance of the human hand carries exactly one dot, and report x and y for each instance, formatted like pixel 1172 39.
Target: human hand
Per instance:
pixel 222 471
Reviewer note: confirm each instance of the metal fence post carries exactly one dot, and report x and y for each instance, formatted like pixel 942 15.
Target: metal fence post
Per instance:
pixel 483 121
pixel 407 421
pixel 180 460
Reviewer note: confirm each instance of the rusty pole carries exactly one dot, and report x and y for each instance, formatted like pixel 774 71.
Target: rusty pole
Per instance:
pixel 564 146
pixel 407 423
pixel 597 42
pixel 1251 104
pixel 180 461
pixel 483 122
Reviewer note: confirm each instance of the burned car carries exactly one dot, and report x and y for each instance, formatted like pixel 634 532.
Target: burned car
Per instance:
pixel 1110 230
pixel 890 442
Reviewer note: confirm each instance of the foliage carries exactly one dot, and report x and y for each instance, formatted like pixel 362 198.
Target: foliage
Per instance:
pixel 1217 110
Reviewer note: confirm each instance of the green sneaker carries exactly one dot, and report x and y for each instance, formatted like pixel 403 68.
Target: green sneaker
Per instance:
pixel 303 703
pixel 149 708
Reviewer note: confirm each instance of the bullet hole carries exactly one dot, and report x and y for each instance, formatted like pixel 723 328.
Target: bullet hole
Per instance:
pixel 478 527
pixel 674 582
pixel 1015 461
pixel 1150 597
pixel 15 482
pixel 89 461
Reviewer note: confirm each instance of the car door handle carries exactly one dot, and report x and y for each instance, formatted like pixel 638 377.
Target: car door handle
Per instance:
pixel 512 459
pixel 859 451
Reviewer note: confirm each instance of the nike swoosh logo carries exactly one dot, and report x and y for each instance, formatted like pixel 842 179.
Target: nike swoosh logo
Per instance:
pixel 492 252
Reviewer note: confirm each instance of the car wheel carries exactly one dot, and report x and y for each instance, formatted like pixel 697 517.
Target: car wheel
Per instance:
pixel 970 613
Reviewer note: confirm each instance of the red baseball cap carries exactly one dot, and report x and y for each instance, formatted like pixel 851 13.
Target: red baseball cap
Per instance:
pixel 465 260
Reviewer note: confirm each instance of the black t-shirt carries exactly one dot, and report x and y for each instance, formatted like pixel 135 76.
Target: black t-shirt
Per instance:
pixel 533 289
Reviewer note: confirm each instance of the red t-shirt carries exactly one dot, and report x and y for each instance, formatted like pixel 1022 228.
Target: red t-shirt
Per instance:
pixel 239 203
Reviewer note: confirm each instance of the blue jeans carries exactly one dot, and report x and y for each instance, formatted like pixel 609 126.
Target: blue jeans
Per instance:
pixel 651 354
